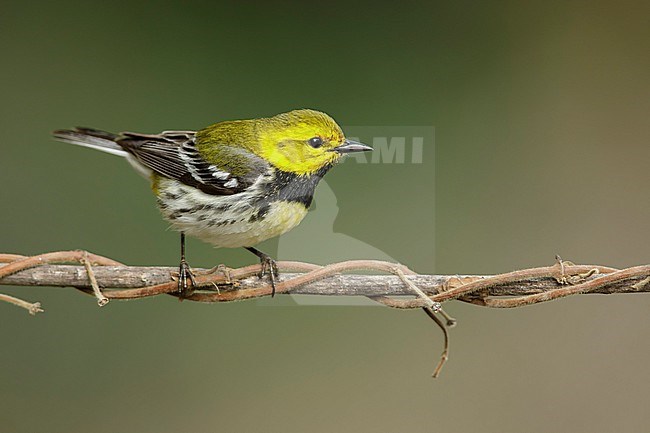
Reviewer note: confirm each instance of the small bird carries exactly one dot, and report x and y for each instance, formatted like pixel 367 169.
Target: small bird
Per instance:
pixel 234 183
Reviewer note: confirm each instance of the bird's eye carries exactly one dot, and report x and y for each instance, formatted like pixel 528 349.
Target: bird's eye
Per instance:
pixel 315 142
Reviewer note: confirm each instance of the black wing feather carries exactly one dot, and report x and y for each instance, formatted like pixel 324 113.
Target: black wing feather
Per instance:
pixel 173 154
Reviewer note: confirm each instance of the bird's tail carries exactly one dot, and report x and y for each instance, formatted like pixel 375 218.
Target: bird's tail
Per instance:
pixel 93 138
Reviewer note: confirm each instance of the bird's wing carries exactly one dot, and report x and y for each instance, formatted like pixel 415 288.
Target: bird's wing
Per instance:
pixel 173 154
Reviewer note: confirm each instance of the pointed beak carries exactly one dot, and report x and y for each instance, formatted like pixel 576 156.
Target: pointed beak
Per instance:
pixel 350 146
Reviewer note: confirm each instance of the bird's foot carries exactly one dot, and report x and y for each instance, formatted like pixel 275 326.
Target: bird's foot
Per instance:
pixel 269 266
pixel 185 273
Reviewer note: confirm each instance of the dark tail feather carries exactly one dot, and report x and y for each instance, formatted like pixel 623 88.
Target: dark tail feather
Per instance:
pixel 93 138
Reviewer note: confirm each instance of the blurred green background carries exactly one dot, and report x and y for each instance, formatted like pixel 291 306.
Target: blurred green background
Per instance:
pixel 541 118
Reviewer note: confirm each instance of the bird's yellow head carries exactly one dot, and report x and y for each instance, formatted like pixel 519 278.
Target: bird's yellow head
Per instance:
pixel 302 141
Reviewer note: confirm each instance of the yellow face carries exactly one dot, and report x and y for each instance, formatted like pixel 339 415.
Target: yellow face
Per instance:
pixel 301 141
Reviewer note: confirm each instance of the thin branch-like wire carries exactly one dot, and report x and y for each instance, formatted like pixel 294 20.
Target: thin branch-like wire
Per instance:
pixel 562 292
pixel 101 299
pixel 445 352
pixel 32 308
pixel 76 256
pixel 433 306
pixel 430 309
pixel 123 282
pixel 220 284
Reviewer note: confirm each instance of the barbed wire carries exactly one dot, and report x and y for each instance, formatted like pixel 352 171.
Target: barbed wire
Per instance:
pixel 108 279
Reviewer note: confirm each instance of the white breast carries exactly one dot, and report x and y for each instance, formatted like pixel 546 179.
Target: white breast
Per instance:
pixel 226 221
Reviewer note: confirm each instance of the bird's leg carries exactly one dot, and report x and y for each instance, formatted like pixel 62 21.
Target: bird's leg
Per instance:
pixel 185 272
pixel 268 266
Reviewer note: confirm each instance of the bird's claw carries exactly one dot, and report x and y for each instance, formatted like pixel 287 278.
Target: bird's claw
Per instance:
pixel 185 273
pixel 270 267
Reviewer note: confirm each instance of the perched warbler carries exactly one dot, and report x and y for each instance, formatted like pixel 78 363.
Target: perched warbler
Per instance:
pixel 235 183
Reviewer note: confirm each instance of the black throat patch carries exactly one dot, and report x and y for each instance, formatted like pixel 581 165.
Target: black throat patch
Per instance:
pixel 297 188
pixel 289 187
